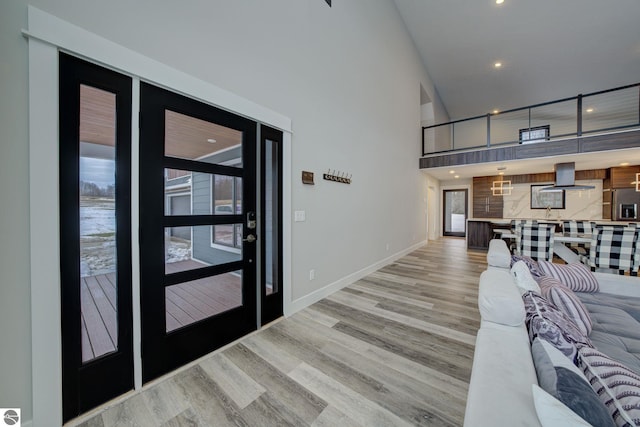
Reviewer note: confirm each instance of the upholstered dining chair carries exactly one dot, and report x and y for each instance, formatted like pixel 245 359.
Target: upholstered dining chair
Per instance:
pixel 575 228
pixel 515 223
pixel 535 241
pixel 614 247
pixel 515 229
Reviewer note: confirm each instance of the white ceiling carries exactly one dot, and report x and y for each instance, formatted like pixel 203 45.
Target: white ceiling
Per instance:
pixel 550 49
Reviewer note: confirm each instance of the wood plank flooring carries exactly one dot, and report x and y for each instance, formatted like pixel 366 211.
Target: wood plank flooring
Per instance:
pixel 393 349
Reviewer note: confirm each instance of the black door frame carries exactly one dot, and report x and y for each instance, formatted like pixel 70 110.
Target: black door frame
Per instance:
pixel 162 351
pixel 444 211
pixel 272 304
pixel 87 385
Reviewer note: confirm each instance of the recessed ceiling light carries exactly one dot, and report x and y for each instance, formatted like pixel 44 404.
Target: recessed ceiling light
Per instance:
pixel 501 173
pixel 499 1
pixel 457 176
pixel 497 64
pixel 589 110
pixel 452 171
pixel 211 140
pixel 624 164
pixel 496 111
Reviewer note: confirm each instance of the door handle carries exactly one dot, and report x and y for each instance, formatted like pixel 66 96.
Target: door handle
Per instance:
pixel 250 238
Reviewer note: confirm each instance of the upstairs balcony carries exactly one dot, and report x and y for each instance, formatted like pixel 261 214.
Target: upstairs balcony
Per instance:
pixel 599 121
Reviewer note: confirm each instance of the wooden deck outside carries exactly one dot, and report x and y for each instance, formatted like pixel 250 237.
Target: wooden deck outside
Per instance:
pixel 186 303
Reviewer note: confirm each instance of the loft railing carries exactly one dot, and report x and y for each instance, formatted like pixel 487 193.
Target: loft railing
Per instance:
pixel 599 112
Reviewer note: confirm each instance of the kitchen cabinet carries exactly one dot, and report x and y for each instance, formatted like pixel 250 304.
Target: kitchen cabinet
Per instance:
pixel 623 177
pixel 485 204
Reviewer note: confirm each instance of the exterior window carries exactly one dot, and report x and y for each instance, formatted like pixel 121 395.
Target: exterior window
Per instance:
pixel 227 200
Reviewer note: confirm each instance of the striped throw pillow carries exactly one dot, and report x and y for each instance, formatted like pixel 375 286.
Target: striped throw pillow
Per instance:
pixel 575 276
pixel 546 321
pixel 617 386
pixel 568 302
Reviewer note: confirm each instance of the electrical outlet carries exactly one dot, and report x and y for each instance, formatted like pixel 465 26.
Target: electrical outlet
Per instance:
pixel 299 216
pixel 312 274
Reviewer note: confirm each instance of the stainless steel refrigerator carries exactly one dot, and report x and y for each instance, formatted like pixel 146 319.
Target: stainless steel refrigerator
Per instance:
pixel 624 204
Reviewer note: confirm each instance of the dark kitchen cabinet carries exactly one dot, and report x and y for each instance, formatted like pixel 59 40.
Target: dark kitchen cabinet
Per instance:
pixel 485 204
pixel 623 177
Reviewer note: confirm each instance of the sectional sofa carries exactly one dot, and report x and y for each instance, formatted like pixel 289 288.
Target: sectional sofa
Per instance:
pixel 505 382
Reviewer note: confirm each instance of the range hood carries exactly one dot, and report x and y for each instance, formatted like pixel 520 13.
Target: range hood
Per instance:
pixel 566 179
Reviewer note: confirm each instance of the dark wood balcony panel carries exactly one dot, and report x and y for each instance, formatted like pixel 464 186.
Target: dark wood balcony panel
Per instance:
pixel 546 149
pixel 616 141
pixel 482 155
pixel 585 144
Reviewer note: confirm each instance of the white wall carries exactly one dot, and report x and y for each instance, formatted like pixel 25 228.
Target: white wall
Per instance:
pixel 349 78
pixel 15 312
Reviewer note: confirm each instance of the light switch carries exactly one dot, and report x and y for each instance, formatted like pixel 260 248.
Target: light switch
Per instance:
pixel 299 216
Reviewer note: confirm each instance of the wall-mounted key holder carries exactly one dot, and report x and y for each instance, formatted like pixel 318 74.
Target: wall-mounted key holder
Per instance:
pixel 340 177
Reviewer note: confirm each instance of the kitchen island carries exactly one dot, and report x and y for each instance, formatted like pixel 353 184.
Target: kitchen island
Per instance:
pixel 480 231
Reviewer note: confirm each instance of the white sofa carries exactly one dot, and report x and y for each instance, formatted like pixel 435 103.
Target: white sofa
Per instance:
pixel 500 389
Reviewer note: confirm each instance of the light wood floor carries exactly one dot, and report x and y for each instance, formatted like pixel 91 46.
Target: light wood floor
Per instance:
pixel 392 349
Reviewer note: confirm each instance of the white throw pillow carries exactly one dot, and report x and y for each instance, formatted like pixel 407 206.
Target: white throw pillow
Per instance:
pixel 498 300
pixel 553 413
pixel 498 254
pixel 523 278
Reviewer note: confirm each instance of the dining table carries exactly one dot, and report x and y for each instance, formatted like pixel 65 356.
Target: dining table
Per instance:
pixel 559 240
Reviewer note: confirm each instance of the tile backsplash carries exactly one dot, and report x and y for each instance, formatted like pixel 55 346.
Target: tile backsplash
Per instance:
pixel 579 204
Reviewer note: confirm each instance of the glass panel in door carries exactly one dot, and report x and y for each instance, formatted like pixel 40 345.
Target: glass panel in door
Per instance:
pixel 218 243
pixel 271 243
pixel 98 267
pixel 455 212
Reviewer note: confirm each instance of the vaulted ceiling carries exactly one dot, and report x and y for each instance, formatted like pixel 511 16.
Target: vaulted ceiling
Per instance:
pixel 549 49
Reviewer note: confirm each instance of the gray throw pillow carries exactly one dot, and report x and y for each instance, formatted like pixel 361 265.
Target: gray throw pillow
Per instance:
pixel 559 377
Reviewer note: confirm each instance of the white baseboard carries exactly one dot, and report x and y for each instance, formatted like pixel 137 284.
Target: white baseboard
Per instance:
pixel 315 296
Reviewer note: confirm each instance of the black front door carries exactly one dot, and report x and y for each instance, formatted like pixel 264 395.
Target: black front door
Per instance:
pixel 197 267
pixel 95 235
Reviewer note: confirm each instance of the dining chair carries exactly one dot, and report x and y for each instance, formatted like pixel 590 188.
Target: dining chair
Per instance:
pixel 514 225
pixel 574 228
pixel 614 247
pixel 535 241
